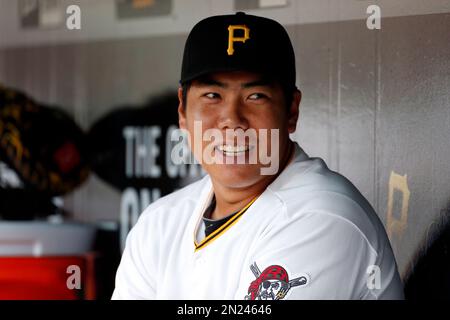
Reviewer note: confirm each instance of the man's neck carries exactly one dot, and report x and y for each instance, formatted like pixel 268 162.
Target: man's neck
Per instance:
pixel 230 200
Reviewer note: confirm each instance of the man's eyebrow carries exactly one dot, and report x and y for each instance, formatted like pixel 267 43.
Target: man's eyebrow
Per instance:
pixel 208 81
pixel 259 83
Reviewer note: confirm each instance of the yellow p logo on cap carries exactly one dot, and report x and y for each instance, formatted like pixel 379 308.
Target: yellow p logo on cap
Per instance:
pixel 232 38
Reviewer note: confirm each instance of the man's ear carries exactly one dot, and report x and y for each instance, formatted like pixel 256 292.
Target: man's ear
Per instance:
pixel 181 110
pixel 294 111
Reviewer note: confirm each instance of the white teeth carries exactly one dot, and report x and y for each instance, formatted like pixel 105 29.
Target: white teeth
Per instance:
pixel 230 149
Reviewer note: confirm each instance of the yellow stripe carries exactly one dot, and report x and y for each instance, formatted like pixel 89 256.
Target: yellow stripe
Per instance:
pixel 209 239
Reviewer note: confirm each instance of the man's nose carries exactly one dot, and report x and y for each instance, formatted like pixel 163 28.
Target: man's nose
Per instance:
pixel 232 115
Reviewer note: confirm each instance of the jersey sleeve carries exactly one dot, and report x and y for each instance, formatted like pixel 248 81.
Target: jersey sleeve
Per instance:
pixel 135 274
pixel 317 256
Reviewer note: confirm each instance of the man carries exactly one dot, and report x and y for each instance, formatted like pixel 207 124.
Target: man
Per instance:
pixel 267 222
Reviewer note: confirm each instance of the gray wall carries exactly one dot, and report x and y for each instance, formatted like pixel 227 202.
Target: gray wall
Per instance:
pixel 376 105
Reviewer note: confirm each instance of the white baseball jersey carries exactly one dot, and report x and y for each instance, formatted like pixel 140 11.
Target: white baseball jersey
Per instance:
pixel 309 235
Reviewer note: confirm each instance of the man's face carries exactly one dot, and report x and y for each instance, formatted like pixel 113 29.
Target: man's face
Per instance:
pixel 238 105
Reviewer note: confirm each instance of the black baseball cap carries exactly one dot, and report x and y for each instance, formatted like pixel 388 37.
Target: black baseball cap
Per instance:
pixel 239 42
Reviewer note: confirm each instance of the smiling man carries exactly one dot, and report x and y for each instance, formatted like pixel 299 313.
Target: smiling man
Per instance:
pixel 287 228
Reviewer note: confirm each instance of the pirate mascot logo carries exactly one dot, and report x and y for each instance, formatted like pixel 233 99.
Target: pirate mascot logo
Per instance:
pixel 272 284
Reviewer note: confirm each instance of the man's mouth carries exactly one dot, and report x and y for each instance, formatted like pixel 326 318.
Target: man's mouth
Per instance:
pixel 231 150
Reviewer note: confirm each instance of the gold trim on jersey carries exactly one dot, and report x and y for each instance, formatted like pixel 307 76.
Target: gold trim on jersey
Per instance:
pixel 214 235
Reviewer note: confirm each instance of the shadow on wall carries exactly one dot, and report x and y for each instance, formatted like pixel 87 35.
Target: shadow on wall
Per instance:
pixel 429 274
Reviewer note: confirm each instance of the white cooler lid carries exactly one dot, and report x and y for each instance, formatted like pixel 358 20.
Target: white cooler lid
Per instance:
pixel 39 238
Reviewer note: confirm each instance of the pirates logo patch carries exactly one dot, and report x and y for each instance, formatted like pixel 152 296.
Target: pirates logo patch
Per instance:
pixel 272 284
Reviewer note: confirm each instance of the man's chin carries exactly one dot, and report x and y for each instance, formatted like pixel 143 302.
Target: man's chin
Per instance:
pixel 237 176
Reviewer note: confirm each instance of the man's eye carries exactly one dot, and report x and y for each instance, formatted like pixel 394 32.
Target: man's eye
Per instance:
pixel 211 95
pixel 256 96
